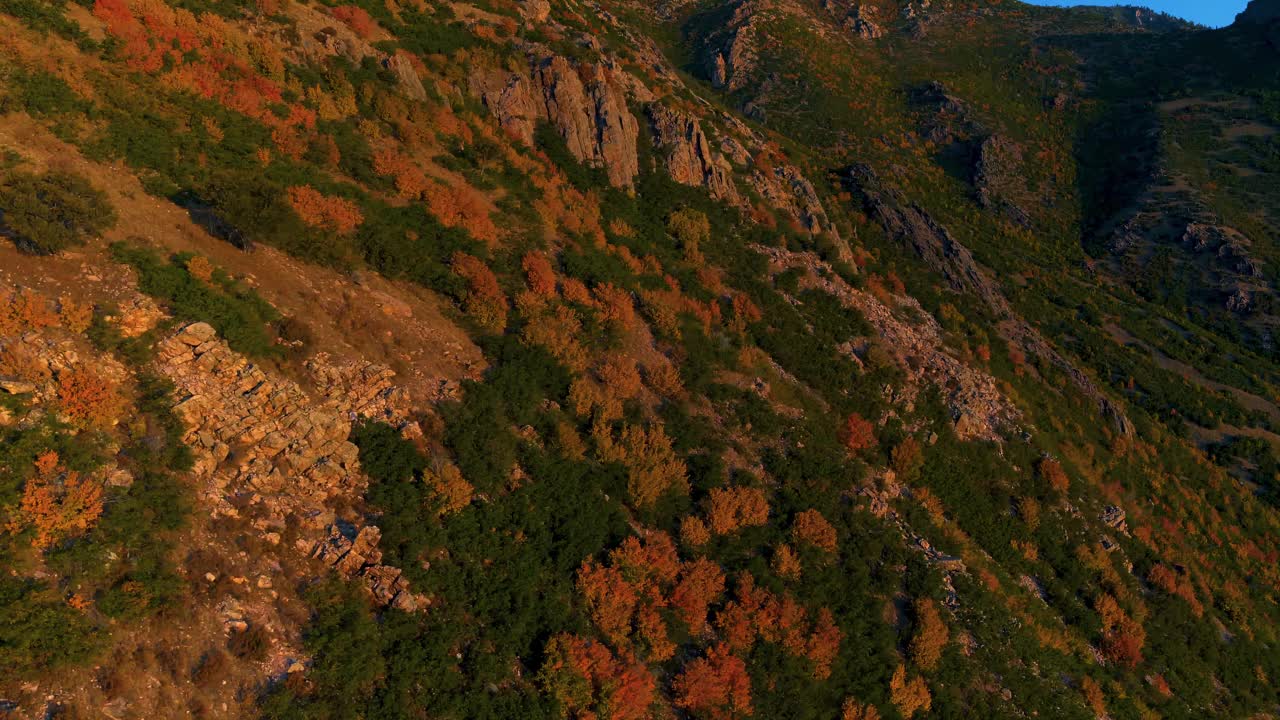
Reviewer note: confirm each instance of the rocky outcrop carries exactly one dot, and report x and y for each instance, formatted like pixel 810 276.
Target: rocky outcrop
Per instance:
pixel 911 225
pixel 510 98
pixel 589 110
pixel 786 188
pixel 535 12
pixel 585 103
pixel 978 407
pixel 359 557
pixel 403 69
pixel 688 155
pixel 734 50
pixel 265 450
pixel 999 179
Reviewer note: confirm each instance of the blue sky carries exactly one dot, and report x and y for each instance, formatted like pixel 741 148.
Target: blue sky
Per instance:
pixel 1214 13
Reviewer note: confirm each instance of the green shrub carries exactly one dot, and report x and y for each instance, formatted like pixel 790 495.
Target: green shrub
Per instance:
pixel 239 314
pixel 38 631
pixel 51 212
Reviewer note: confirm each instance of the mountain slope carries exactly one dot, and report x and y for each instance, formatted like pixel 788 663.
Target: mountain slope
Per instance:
pixel 707 359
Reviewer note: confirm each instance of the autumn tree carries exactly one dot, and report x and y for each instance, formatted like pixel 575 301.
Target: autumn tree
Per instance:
pixel 620 376
pixel 87 397
pixel 557 330
pixel 1093 697
pixel 611 600
pixel 615 306
pixel 715 687
pixel 539 274
pixel 74 316
pixel 1122 636
pixel 57 503
pixel 1052 473
pixel 854 710
pixel 812 529
pixel 410 181
pixel 200 268
pixel 653 468
pixel 485 301
pixel 325 212
pixel 452 489
pixel 730 509
pixel 823 644
pixel 589 681
pixel 909 696
pixel 701 582
pixel 858 433
pixel 907 459
pixel 931 635
pixel 355 18
pixel 24 310
pixel 1177 584
pixel 462 207
pixel 694 532
pixel 786 563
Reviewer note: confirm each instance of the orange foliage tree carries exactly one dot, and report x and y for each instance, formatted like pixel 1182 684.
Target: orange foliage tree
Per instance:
pixel 462 207
pixel 715 687
pixel 701 582
pixel 858 433
pixel 854 710
pixel 931 635
pixel 451 487
pixel 643 577
pixel 323 211
pixel 786 563
pixel 539 274
pixel 87 397
pixel 485 300
pixel 755 613
pixel 694 532
pixel 1051 472
pixel 653 468
pixel 410 181
pixel 811 528
pixel 355 18
pixel 589 681
pixel 57 503
pixel 730 509
pixel 615 307
pixel 909 696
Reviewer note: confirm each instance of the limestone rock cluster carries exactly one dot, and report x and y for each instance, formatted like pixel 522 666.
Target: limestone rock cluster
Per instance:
pixel 688 155
pixel 360 557
pixel 980 410
pixel 585 102
pixel 267 450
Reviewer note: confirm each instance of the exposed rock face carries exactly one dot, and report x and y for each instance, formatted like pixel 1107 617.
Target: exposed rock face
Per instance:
pixel 786 188
pixel 998 179
pixel 688 155
pixel 585 103
pixel 1260 11
pixel 510 97
pixel 360 557
pixel 535 11
pixel 912 226
pixel 589 110
pixel 404 70
pixel 733 57
pixel 861 21
pixel 268 451
pixel 979 408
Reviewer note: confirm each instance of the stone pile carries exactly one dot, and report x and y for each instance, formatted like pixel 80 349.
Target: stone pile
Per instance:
pixel 266 449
